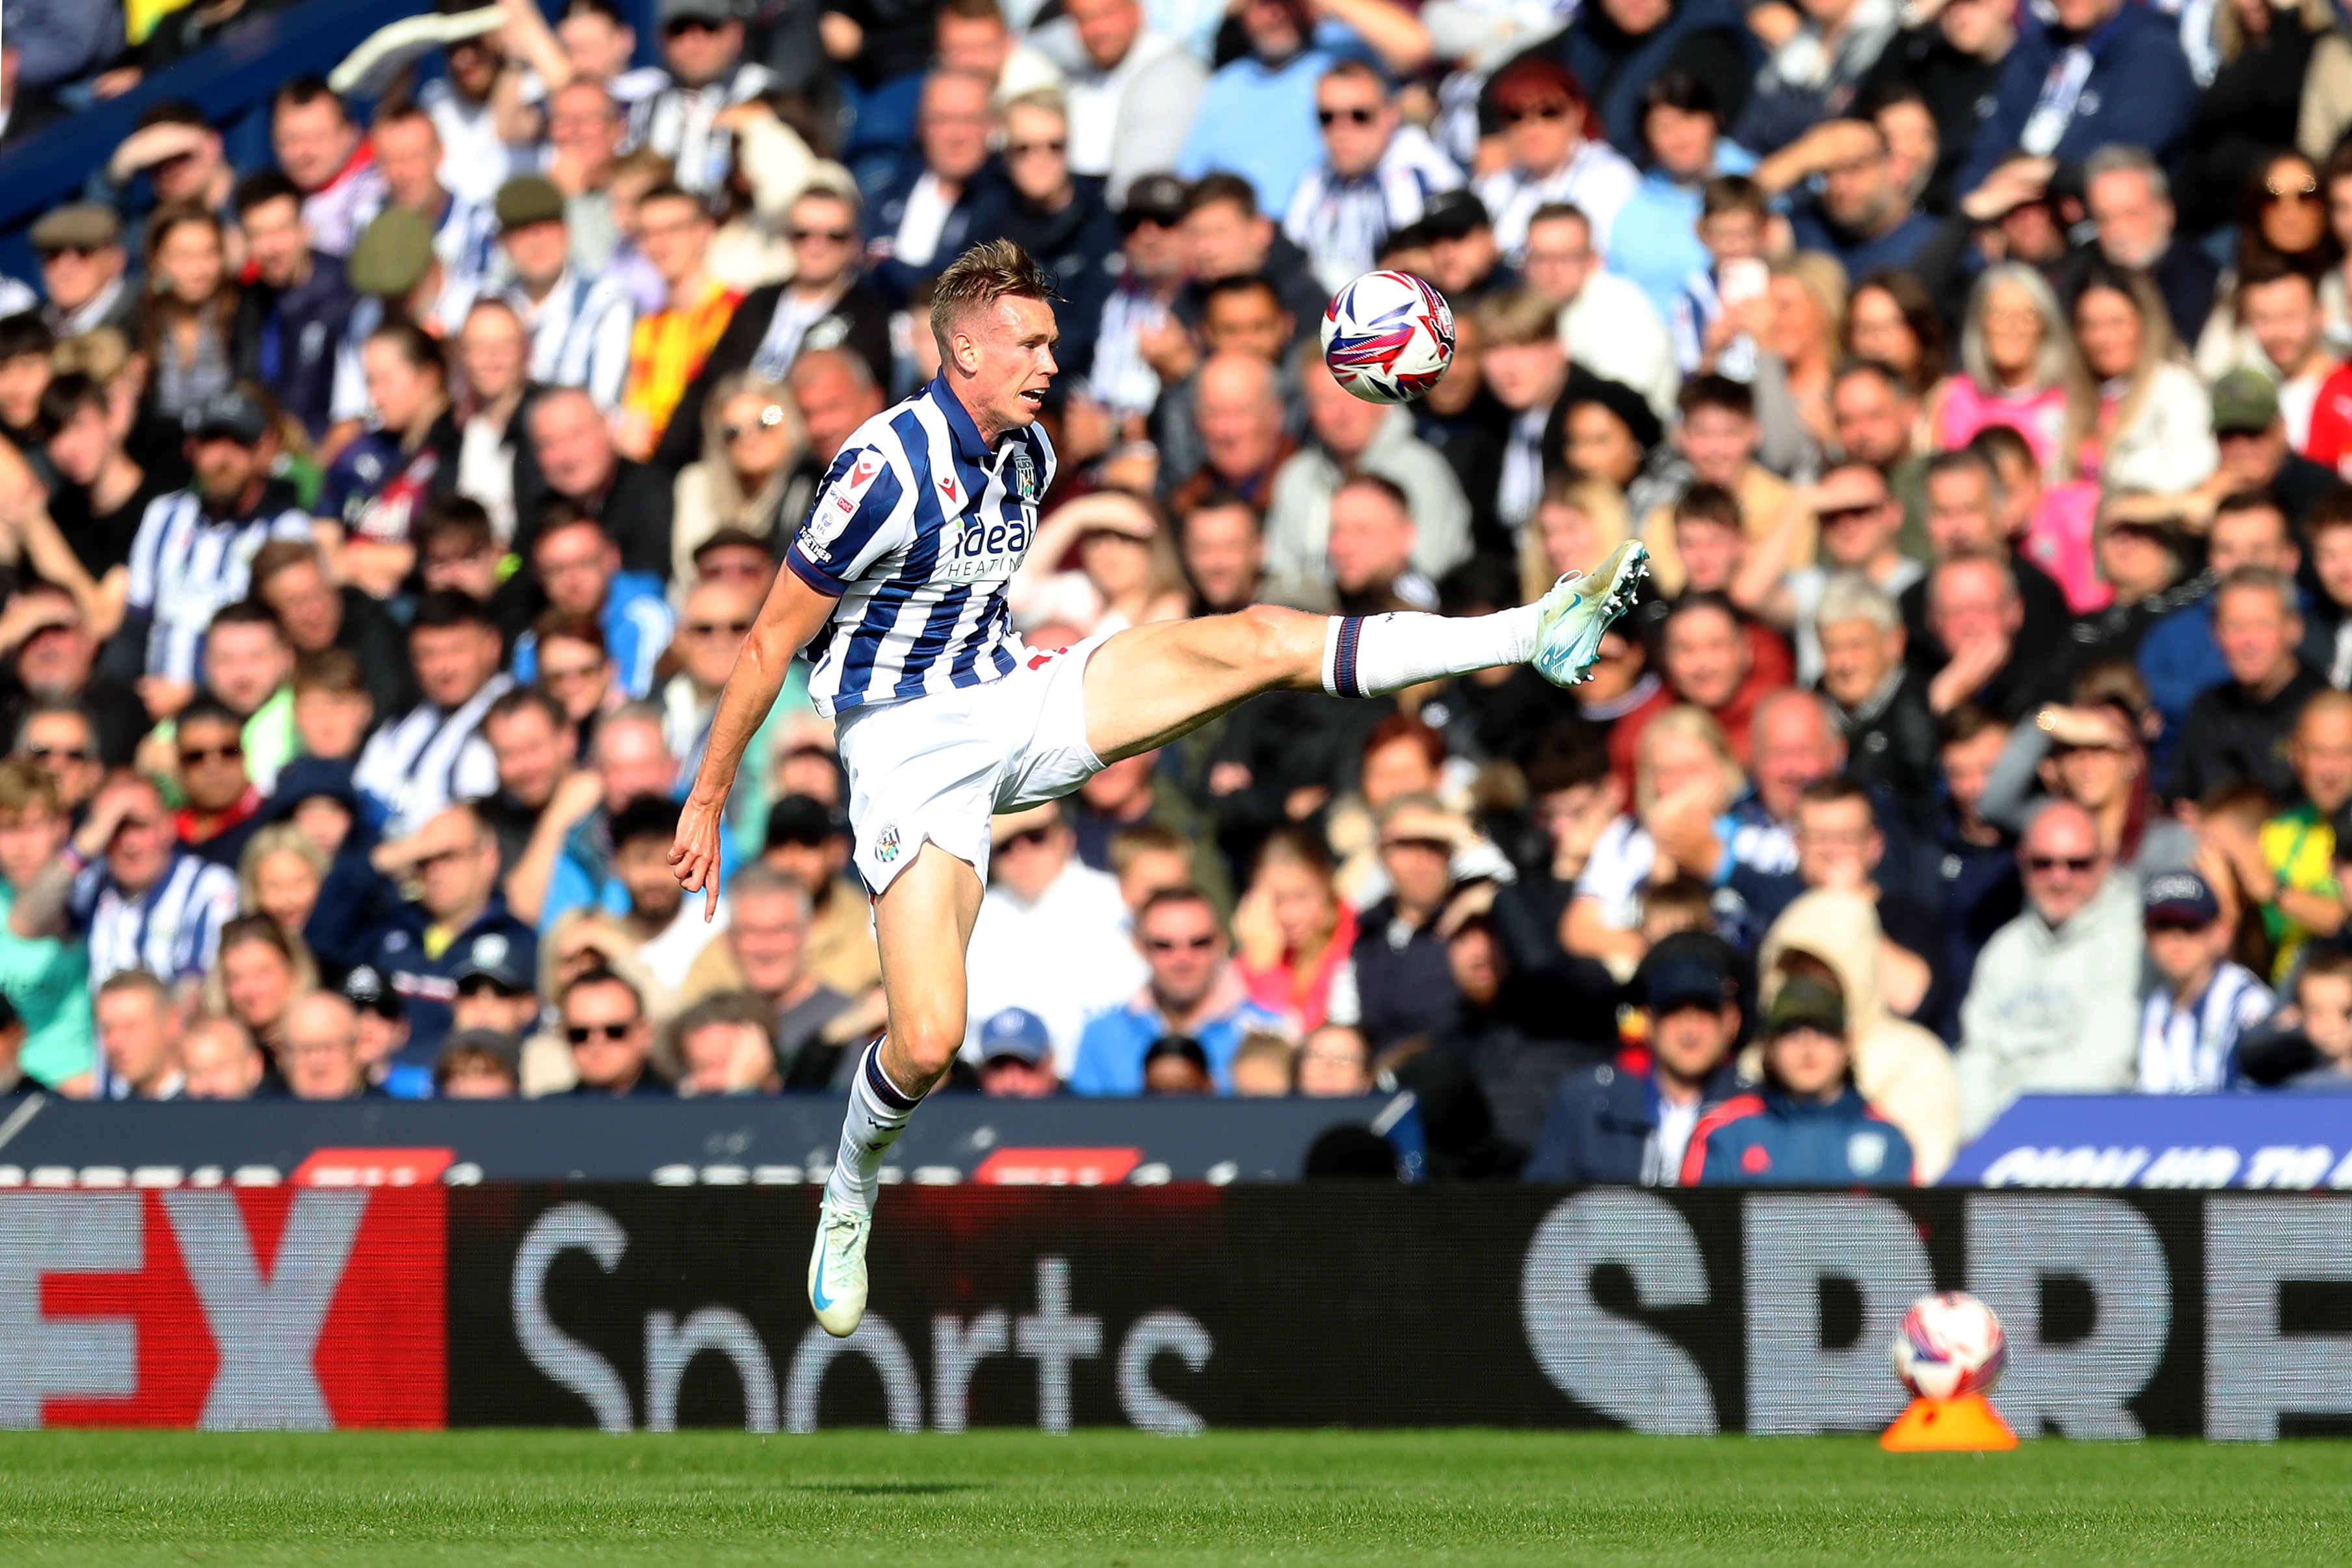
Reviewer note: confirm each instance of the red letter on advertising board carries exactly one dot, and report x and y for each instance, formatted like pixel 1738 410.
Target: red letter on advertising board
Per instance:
pixel 272 1307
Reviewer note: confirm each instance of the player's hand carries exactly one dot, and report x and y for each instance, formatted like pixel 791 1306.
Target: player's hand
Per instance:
pixel 694 857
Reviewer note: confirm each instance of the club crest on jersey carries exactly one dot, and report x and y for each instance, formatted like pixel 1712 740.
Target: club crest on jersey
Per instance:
pixel 1024 473
pixel 886 848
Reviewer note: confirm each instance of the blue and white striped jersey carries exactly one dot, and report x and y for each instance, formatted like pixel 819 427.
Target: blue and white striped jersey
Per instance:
pixel 580 333
pixel 917 531
pixel 187 565
pixel 172 930
pixel 1340 222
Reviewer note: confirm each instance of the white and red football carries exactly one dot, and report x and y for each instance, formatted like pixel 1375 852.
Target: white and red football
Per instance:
pixel 1948 1346
pixel 1388 337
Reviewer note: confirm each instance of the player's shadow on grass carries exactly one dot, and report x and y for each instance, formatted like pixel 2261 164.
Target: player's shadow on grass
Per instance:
pixel 891 1489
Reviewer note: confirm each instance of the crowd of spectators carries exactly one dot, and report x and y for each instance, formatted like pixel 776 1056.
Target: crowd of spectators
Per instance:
pixel 380 525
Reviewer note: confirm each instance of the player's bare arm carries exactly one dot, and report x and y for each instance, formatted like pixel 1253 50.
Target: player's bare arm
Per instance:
pixel 794 613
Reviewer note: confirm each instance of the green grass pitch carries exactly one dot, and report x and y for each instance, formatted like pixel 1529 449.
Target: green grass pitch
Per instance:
pixel 560 1500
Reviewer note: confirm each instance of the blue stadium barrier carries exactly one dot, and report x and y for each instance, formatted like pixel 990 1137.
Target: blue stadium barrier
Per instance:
pixel 231 82
pixel 782 1141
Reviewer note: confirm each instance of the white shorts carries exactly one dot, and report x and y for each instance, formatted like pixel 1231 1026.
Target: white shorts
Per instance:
pixel 939 766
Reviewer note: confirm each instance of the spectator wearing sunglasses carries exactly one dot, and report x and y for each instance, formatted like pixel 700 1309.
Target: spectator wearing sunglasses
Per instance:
pixel 1041 207
pixel 1052 935
pixel 220 802
pixel 83 269
pixel 1194 991
pixel 718 617
pixel 753 476
pixel 1376 175
pixel 579 570
pixel 2053 1006
pixel 1556 156
pixel 825 306
pixel 61 740
pixel 604 1023
pixel 702 48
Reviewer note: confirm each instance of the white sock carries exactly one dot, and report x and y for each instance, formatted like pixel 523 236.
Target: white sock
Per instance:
pixel 1367 655
pixel 878 1112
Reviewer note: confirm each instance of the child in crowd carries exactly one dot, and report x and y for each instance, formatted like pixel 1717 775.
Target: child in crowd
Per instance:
pixel 2323 1002
pixel 2202 1002
pixel 2327 536
pixel 1710 538
pixel 2053 524
pixel 1264 1066
pixel 1681 905
pixel 332 708
pixel 2307 1044
pixel 1732 215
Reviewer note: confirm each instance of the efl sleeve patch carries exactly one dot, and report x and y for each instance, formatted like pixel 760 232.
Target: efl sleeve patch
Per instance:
pixel 856 518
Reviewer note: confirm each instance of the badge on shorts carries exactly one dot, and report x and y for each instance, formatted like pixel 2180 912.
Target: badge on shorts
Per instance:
pixel 886 848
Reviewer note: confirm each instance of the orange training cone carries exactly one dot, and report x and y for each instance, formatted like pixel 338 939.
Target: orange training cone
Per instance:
pixel 1966 1425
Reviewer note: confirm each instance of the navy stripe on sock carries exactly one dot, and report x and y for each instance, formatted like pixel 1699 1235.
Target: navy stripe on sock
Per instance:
pixel 1343 657
pixel 879 1082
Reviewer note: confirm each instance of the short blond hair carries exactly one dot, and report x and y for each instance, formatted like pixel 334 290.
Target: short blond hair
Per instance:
pixel 998 270
pixel 1684 723
pixel 23 786
pixel 1519 317
pixel 1822 277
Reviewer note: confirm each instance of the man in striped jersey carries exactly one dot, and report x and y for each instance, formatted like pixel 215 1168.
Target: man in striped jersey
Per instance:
pixel 1376 175
pixel 702 46
pixel 192 555
pixel 465 228
pixel 579 324
pixel 943 717
pixel 123 883
pixel 433 753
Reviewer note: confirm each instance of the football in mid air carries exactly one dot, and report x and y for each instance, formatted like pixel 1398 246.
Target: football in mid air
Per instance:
pixel 1388 337
pixel 1948 1346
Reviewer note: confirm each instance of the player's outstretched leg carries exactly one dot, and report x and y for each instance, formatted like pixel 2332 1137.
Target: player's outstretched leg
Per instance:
pixel 923 921
pixel 1149 684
